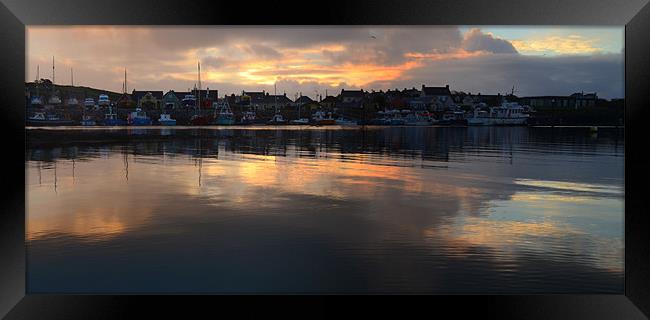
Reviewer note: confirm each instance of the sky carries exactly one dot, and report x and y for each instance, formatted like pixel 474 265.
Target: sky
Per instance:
pixel 320 60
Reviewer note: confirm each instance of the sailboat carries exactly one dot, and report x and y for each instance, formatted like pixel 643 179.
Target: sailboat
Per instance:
pixel 36 100
pixel 300 121
pixel 72 100
pixel 54 99
pixel 110 118
pixel 198 119
pixel 277 117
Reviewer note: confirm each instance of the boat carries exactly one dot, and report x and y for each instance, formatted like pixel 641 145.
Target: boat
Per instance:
pixel 37 101
pixel 43 119
pixel 72 100
pixel 139 118
pixel 320 118
pixel 89 103
pixel 223 116
pixel 87 121
pixel 248 117
pixel 103 101
pixel 54 99
pixel 111 119
pixel 277 120
pixel 508 113
pixel 166 120
pixel 345 122
pixel 453 118
pixel 418 119
pixel 300 121
pixel 188 101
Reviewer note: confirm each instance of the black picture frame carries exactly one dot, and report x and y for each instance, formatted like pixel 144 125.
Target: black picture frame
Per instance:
pixel 634 14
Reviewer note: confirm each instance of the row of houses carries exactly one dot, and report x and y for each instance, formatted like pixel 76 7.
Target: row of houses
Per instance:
pixel 423 98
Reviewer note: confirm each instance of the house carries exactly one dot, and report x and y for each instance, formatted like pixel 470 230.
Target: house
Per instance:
pixel 329 102
pixel 125 101
pixel 576 100
pixel 441 98
pixel 147 99
pixel 270 101
pixel 171 100
pixel 302 100
pixel 348 96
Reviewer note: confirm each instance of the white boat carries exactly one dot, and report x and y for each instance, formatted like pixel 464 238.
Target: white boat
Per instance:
pixel 301 121
pixel 87 121
pixel 248 117
pixel 89 103
pixel 508 113
pixel 321 118
pixel 36 101
pixel 103 100
pixel 139 118
pixel 42 119
pixel 345 122
pixel 277 120
pixel 166 120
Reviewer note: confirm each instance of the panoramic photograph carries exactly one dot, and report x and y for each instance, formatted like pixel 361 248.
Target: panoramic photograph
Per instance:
pixel 324 159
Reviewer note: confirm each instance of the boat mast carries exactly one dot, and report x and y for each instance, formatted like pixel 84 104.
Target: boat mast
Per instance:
pixel 199 92
pixel 275 95
pixel 71 78
pixel 38 80
pixel 53 75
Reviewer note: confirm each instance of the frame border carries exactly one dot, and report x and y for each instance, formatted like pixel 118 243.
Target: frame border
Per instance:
pixel 634 14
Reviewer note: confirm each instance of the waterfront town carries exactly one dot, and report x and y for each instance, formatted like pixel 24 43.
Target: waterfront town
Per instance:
pixel 54 104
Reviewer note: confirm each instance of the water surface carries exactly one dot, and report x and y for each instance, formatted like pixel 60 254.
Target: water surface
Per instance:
pixel 441 210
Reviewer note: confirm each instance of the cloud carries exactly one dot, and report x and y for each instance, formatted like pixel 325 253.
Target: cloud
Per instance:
pixel 572 44
pixel 252 58
pixel 476 40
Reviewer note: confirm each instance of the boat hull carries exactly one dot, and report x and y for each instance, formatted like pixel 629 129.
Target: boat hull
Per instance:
pixel 114 122
pixel 87 123
pixel 31 122
pixel 167 122
pixel 224 122
pixel 141 122
pixel 497 121
pixel 199 121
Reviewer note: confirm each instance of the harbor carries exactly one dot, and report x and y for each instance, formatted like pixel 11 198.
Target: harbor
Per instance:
pixel 428 106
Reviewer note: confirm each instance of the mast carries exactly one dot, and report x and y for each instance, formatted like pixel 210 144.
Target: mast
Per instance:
pixel 125 88
pixel 38 79
pixel 52 75
pixel 199 92
pixel 275 95
pixel 71 78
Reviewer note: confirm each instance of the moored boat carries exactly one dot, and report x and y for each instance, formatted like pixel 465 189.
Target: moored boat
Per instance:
pixel 43 119
pixel 320 118
pixel 166 120
pixel 223 116
pixel 87 121
pixel 277 120
pixel 508 113
pixel 139 118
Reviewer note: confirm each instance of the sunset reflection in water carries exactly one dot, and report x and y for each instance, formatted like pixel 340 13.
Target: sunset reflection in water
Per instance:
pixel 328 211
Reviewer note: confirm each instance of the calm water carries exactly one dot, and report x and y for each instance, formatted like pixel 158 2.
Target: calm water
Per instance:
pixel 442 210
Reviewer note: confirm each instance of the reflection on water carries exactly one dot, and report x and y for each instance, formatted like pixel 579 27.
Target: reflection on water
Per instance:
pixel 444 210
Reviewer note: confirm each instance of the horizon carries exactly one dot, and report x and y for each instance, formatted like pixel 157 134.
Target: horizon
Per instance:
pixel 309 61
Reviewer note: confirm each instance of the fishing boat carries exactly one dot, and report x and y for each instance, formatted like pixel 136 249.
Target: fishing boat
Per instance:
pixel 277 120
pixel 345 122
pixel 111 119
pixel 139 118
pixel 86 120
pixel 103 100
pixel 248 117
pixel 508 113
pixel 195 101
pixel 166 120
pixel 188 101
pixel 50 119
pixel 54 98
pixel 418 119
pixel 89 103
pixel 321 118
pixel 299 121
pixel 453 118
pixel 223 116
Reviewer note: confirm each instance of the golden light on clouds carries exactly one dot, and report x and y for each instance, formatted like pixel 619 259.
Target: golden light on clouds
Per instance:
pixel 572 44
